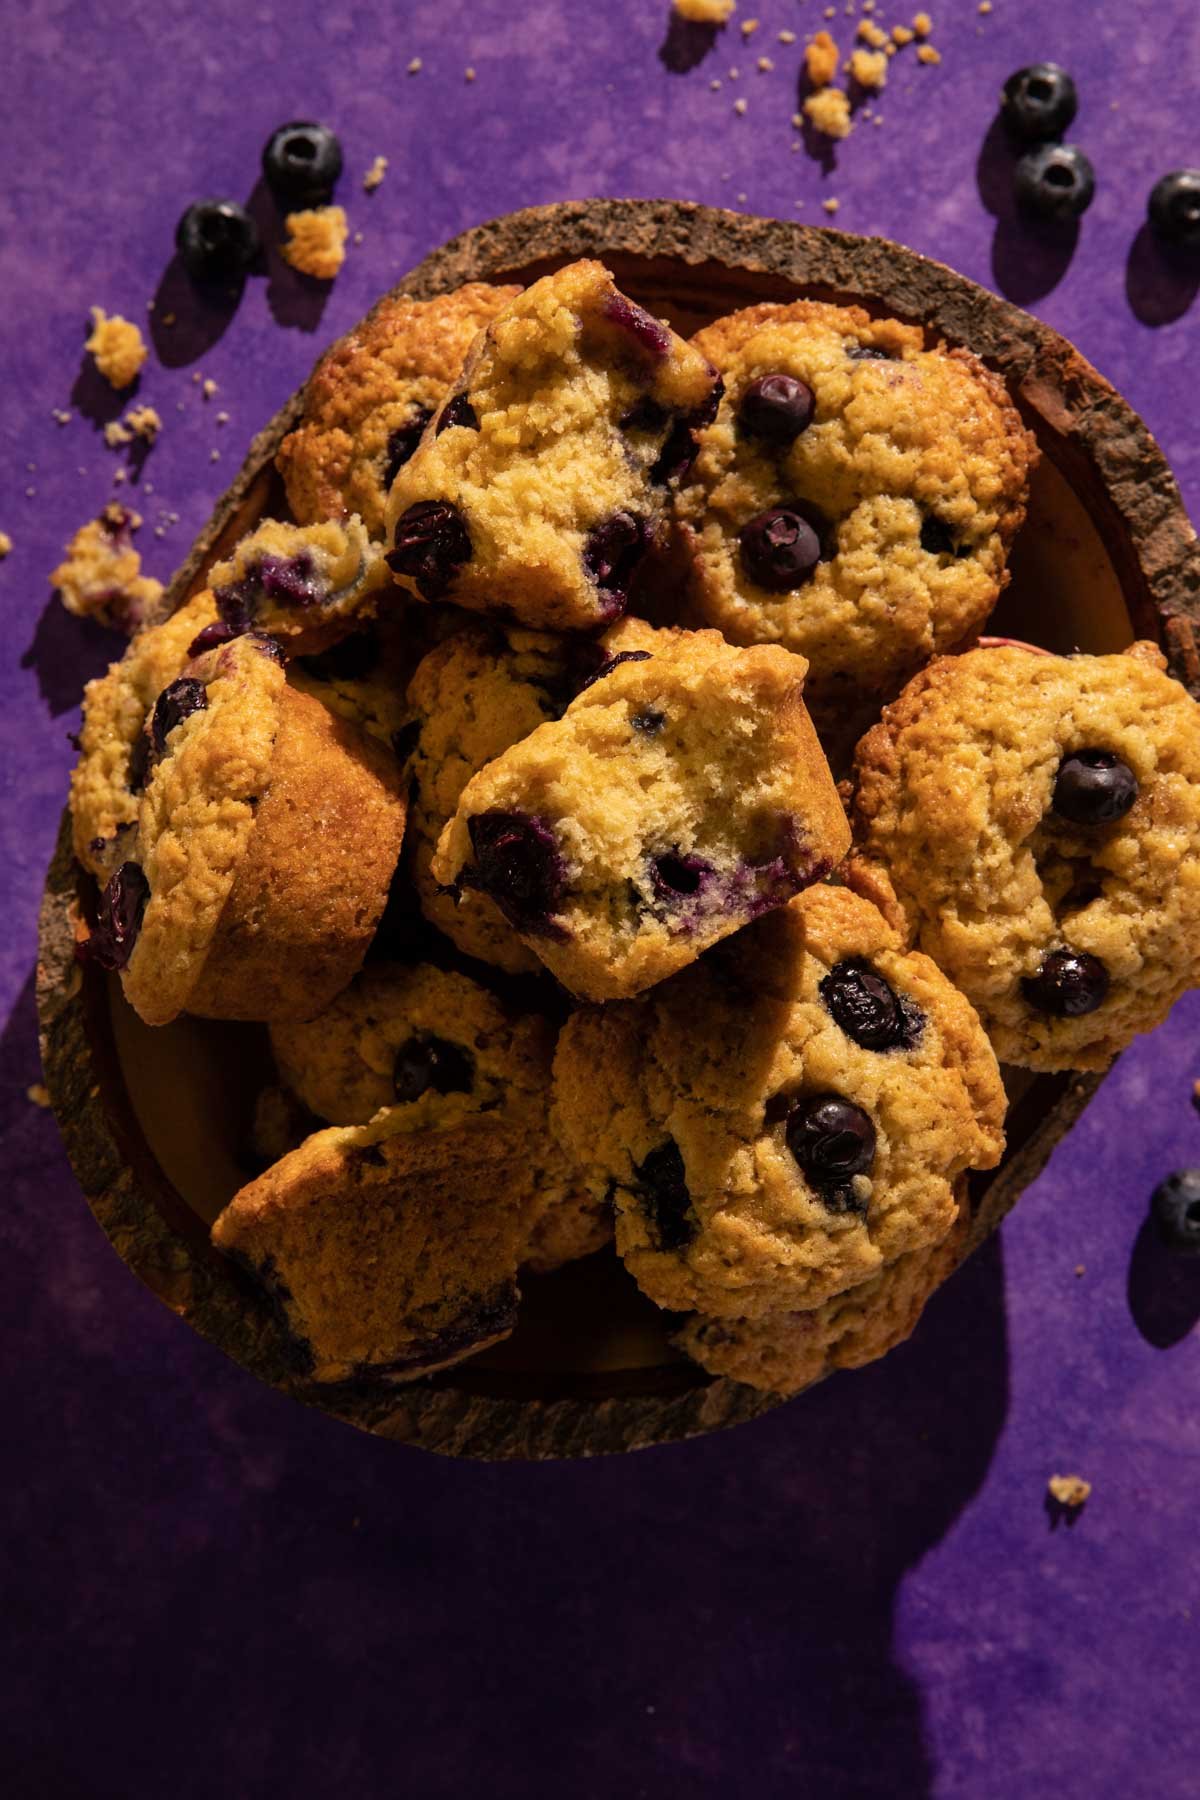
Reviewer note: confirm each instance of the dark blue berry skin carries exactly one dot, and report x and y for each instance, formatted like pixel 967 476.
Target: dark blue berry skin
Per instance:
pixel 868 1008
pixel 779 549
pixel 1174 209
pixel 1038 102
pixel 176 703
pixel 662 1190
pixel 1175 1209
pixel 609 664
pixel 457 411
pixel 1055 182
pixel 518 865
pixel 217 240
pixel 611 553
pixel 1069 984
pixel 431 544
pixel 1094 787
pixel 832 1140
pixel 776 409
pixel 301 162
pixel 119 918
pixel 402 443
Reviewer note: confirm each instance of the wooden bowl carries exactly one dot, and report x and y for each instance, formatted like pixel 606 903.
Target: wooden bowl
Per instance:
pixel 152 1119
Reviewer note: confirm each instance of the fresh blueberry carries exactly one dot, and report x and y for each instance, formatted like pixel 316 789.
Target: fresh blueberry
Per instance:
pixel 217 240
pixel 649 723
pixel 1093 787
pixel 644 415
pixel 832 1140
pixel 936 537
pixel 649 333
pixel 1038 102
pixel 1068 984
pixel 119 918
pixel 457 411
pixel 138 766
pixel 612 552
pixel 662 1190
pixel 610 663
pixel 302 162
pixel 1174 208
pixel 867 1007
pixel 674 874
pixel 176 703
pixel 1175 1209
pixel 1055 181
pixel 518 865
pixel 780 549
pixel 430 1062
pixel 431 545
pixel 776 408
pixel 212 637
pixel 402 442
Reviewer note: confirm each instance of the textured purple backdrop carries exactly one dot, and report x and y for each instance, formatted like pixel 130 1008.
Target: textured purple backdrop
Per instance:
pixel 209 1591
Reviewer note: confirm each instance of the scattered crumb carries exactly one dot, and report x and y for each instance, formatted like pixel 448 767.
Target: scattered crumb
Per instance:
pixel 1069 1490
pixel 208 387
pixel 39 1093
pixel 985 6
pixel 764 65
pixel 168 319
pixel 927 54
pixel 749 27
pixel 61 416
pixel 821 60
pixel 357 238
pixel 798 121
pixel 868 68
pixel 739 107
pixel 468 74
pixel 222 418
pixel 870 34
pixel 144 423
pixel 118 480
pixel 831 12
pixel 375 174
pixel 922 24
pixel 414 67
pixel 5 545
pixel 742 199
pixel 831 205
pixel 829 111
pixel 214 456
pixel 734 73
pixel 100 576
pixel 902 35
pixel 316 243
pixel 715 83
pixel 705 12
pixel 31 493
pixel 889 49
pixel 1080 1269
pixel 787 37
pixel 878 119
pixel 115 434
pixel 117 347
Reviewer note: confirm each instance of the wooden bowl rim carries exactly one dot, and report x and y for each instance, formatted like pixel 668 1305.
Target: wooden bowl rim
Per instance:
pixel 475 1412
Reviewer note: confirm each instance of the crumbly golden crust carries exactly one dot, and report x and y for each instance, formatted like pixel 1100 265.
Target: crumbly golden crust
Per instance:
pixel 701 1074
pixel 380 380
pixel 316 242
pixel 307 586
pixel 957 837
pixel 388 1253
pixel 911 437
pixel 100 575
pixel 679 796
pixel 118 348
pixel 573 393
pixel 782 1353
pixel 104 809
pixel 396 1028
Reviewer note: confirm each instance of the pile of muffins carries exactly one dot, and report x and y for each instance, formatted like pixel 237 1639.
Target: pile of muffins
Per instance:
pixel 501 783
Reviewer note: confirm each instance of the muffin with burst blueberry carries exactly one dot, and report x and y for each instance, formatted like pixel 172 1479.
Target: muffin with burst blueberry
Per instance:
pixel 1032 822
pixel 414 1044
pixel 369 399
pixel 306 586
pixel 788 1119
pixel 854 499
pixel 265 838
pixel 682 794
pixel 541 483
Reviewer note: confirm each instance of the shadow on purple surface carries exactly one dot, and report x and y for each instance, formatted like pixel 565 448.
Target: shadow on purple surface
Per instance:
pixel 65 652
pixel 187 319
pixel 96 398
pixel 1160 283
pixel 686 44
pixel 1163 1290
pixel 1029 256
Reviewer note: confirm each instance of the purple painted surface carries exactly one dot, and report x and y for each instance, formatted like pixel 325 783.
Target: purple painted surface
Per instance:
pixel 208 1590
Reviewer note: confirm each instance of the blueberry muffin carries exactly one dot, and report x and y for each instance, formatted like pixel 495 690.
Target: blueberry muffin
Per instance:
pixel 387 1252
pixel 782 1353
pixel 100 576
pixel 266 836
pixel 853 500
pixel 784 1120
pixel 537 488
pixel 107 782
pixel 473 697
pixel 306 586
pixel 363 677
pixel 681 794
pixel 369 399
pixel 1032 823
pixel 428 1047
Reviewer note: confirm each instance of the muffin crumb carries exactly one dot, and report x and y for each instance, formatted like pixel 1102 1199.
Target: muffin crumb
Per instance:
pixel 61 416
pixel 922 24
pixel 144 423
pixel 706 12
pixel 468 74
pixel 208 387
pixel 116 434
pixel 739 107
pixel 375 174
pixel 868 68
pixel 414 67
pixel 1069 1490
pixel 749 27
pixel 927 54
pixel 870 34
pixel 117 347
pixel 764 65
pixel 38 1093
pixel 316 243
pixel 787 37
pixel 831 205
pixel 6 545
pixel 821 60
pixel 901 34
pixel 829 111
pixel 100 576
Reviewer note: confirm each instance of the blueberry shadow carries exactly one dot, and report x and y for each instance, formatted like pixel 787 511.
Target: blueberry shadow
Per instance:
pixel 1160 282
pixel 1163 1289
pixel 686 44
pixel 1029 256
pixel 187 318
pixel 65 653
pixel 296 301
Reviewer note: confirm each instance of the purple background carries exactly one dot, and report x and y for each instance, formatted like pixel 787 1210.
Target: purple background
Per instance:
pixel 210 1591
